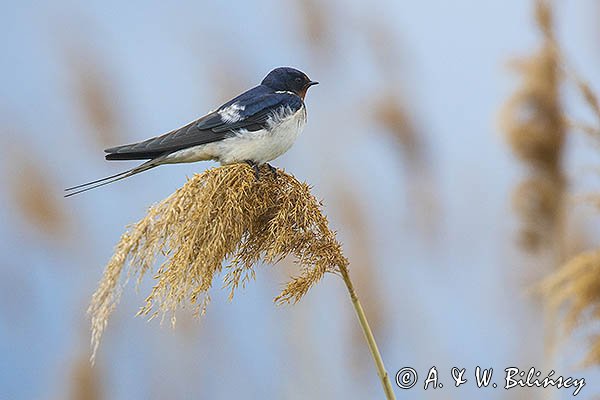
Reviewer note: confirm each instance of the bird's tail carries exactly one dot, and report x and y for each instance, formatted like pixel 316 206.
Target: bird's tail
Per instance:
pixel 110 179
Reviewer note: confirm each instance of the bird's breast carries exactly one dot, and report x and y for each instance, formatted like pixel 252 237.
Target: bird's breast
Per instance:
pixel 262 146
pixel 287 128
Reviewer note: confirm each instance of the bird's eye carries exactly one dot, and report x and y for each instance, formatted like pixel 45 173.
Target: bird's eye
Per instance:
pixel 298 79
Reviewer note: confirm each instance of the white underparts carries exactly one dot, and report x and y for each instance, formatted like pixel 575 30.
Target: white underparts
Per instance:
pixel 262 146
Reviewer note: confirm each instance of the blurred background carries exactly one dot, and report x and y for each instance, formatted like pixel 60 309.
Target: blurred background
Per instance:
pixel 404 145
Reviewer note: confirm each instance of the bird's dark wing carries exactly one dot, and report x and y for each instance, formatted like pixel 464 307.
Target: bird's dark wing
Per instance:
pixel 249 111
pixel 185 136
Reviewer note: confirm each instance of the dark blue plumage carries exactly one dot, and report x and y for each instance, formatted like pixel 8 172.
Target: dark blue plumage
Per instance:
pixel 256 126
pixel 258 104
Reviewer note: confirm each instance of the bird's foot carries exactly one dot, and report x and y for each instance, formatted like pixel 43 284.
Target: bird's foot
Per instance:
pixel 272 169
pixel 255 167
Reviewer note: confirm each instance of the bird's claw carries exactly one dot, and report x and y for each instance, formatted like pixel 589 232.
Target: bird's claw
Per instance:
pixel 272 169
pixel 255 168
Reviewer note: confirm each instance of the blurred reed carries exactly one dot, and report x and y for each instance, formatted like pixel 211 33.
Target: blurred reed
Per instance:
pixel 573 291
pixel 353 218
pixel 590 99
pixel 576 288
pixel 32 191
pixel 536 123
pixel 317 25
pixel 226 214
pixel 385 50
pixel 85 382
pixel 534 126
pixel 94 92
pixel 390 110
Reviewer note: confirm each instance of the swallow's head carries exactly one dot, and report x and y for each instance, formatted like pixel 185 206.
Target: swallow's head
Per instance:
pixel 289 80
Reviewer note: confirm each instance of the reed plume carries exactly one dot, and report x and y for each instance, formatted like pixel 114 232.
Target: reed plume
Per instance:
pixel 535 129
pixel 576 287
pixel 391 111
pixel 226 218
pixel 316 21
pixel 393 116
pixel 591 101
pixel 93 89
pixel 30 189
pixel 534 126
pixel 85 382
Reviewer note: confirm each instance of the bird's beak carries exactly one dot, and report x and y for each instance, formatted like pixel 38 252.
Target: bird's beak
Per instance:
pixel 311 83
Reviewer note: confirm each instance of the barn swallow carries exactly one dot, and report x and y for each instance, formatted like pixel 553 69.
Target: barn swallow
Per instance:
pixel 255 127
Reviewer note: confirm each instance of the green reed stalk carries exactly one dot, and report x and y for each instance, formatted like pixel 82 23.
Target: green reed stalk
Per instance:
pixel 364 324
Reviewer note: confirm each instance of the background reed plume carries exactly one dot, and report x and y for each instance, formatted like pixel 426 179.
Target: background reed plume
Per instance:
pixel 534 126
pixel 85 382
pixel 535 129
pixel 393 113
pixel 536 123
pixel 574 290
pixel 95 92
pixel 226 215
pixel 29 187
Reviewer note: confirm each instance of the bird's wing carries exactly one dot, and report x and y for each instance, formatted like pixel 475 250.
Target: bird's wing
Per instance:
pixel 251 111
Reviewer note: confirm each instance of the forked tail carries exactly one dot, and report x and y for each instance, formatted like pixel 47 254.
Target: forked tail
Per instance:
pixel 110 179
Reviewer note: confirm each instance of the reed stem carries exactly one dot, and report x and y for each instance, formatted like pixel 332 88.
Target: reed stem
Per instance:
pixel 364 324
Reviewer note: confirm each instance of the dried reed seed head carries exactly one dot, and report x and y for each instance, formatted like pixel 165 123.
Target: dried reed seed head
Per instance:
pixel 85 383
pixel 544 17
pixel 537 202
pixel 92 89
pixel 30 190
pixel 576 288
pixel 223 214
pixel 385 47
pixel 315 19
pixel 589 96
pixel 97 106
pixel 593 200
pixel 593 354
pixel 532 119
pixel 391 114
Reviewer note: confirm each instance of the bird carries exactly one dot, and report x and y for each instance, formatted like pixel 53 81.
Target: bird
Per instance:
pixel 255 128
